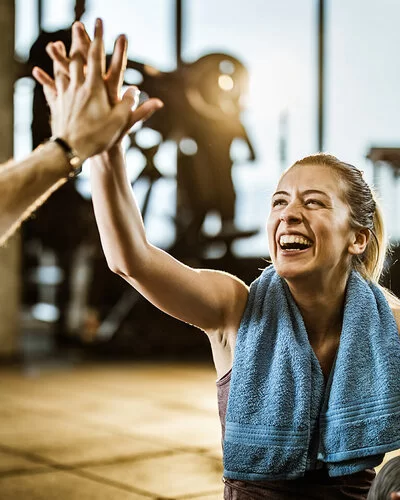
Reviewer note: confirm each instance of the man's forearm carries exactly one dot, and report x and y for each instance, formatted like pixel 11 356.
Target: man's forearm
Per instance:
pixel 26 184
pixel 82 117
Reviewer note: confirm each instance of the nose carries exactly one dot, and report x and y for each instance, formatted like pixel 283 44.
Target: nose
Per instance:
pixel 291 214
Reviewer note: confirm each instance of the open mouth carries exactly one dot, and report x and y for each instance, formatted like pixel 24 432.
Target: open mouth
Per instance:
pixel 294 242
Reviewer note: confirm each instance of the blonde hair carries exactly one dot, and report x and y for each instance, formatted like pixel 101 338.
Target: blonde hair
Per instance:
pixel 364 213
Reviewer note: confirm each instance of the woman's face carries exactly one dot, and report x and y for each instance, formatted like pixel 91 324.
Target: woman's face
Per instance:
pixel 308 227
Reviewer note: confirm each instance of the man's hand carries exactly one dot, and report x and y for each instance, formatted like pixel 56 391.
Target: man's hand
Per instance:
pixel 92 97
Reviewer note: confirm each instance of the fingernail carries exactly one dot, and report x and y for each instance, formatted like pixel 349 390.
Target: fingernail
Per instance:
pixel 131 97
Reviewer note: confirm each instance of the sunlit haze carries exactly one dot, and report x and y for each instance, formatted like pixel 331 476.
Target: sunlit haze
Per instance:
pixel 277 42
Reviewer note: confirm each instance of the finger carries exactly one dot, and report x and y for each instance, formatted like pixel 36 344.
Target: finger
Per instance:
pixel 57 53
pixel 130 101
pixel 60 47
pixel 122 120
pixel 49 87
pixel 85 33
pixel 78 53
pixel 50 94
pixel 131 97
pixel 144 111
pixel 76 69
pixel 42 77
pixel 80 40
pixel 96 56
pixel 86 42
pixel 115 74
pixel 61 80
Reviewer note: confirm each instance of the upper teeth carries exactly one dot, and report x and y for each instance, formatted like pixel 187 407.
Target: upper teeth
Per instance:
pixel 291 238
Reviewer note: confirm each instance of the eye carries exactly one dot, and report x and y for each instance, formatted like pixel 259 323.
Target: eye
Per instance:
pixel 313 201
pixel 279 201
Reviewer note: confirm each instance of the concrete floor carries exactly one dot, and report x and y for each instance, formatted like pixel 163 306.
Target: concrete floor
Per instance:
pixel 109 432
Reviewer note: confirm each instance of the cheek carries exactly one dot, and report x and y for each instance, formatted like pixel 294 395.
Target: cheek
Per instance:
pixel 337 240
pixel 271 227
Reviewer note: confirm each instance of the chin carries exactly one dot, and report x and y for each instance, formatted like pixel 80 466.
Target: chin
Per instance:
pixel 291 271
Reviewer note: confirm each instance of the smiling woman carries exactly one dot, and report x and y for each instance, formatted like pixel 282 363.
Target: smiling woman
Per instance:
pixel 308 357
pixel 327 244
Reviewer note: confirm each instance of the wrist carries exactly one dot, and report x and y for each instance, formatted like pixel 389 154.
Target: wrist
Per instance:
pixel 53 161
pixel 109 161
pixel 113 154
pixel 115 149
pixel 72 156
pixel 79 146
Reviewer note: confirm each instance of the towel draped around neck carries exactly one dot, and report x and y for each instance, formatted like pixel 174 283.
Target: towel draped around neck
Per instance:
pixel 282 419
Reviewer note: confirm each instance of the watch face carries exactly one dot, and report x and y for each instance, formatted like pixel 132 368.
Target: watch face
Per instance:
pixel 75 162
pixel 75 172
pixel 73 159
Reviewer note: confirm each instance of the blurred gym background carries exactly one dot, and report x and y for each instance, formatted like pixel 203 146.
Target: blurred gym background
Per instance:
pixel 99 388
pixel 248 90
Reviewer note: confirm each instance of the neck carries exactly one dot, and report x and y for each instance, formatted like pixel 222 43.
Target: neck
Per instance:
pixel 321 307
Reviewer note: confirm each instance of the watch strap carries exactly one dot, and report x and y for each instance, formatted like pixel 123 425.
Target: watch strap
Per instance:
pixel 73 158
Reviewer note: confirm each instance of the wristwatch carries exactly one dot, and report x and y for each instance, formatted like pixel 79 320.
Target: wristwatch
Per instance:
pixel 73 158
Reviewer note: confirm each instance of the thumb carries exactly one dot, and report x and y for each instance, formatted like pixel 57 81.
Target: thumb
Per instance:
pixel 131 97
pixel 144 111
pixel 118 120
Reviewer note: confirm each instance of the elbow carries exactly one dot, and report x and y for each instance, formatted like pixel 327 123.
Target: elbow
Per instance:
pixel 114 268
pixel 129 262
pixel 116 262
pixel 119 268
pixel 127 274
pixel 127 268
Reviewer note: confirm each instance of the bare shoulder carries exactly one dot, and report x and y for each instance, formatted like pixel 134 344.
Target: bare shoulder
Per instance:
pixel 239 292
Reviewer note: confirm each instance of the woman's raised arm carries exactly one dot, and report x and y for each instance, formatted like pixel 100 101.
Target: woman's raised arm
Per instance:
pixel 211 300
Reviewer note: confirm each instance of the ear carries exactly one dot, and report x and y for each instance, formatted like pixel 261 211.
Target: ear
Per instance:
pixel 359 241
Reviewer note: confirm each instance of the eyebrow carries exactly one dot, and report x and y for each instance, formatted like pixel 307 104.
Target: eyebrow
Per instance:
pixel 306 192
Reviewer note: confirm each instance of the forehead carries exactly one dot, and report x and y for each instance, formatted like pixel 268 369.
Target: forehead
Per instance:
pixel 309 177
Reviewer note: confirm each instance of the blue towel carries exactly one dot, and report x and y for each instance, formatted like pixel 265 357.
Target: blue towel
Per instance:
pixel 282 418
